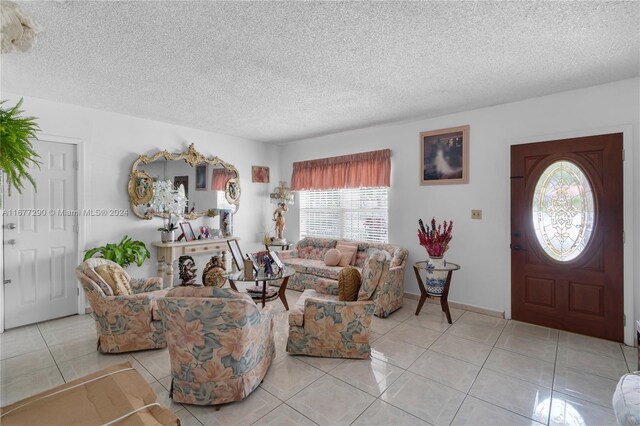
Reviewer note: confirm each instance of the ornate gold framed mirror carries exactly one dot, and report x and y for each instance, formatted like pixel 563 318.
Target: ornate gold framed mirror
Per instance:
pixel 197 185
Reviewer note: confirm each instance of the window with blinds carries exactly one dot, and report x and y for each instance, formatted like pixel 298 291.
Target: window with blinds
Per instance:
pixel 351 214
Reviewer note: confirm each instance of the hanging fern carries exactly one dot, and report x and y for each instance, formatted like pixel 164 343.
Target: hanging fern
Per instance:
pixel 16 150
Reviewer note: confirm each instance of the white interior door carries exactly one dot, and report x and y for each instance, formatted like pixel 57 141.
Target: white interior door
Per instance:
pixel 40 240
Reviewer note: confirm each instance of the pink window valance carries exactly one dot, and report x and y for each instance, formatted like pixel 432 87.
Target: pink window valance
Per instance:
pixel 364 170
pixel 219 179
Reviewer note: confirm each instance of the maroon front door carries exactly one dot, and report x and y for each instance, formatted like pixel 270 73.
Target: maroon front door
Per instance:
pixel 567 235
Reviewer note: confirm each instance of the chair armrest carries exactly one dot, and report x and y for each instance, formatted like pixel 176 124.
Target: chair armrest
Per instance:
pixel 134 299
pixel 287 254
pixel 396 275
pixel 145 285
pixel 266 312
pixel 265 333
pixel 332 319
pixel 326 286
pixel 135 308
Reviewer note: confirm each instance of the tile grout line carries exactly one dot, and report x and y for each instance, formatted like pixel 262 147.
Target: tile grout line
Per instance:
pixel 479 371
pixel 407 370
pixel 404 371
pixel 55 361
pixel 285 401
pixel 553 379
pixel 487 402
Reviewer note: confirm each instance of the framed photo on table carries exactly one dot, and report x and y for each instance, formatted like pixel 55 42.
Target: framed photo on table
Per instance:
pixel 444 156
pixel 236 253
pixel 187 231
pixel 276 260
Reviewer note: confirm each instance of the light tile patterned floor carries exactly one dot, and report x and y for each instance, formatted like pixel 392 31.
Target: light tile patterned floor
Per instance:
pixel 480 370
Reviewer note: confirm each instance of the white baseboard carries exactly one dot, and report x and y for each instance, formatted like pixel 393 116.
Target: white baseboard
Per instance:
pixel 457 305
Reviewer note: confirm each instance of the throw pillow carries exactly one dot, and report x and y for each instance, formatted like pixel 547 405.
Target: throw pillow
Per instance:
pixel 348 254
pixel 115 277
pixel 348 284
pixel 344 246
pixel 332 257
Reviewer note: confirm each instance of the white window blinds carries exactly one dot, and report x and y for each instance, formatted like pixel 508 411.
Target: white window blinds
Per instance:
pixel 351 214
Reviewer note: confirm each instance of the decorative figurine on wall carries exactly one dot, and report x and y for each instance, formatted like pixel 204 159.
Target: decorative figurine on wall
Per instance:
pixel 212 274
pixel 187 268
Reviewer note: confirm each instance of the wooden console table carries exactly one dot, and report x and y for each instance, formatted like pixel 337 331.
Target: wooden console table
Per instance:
pixel 167 253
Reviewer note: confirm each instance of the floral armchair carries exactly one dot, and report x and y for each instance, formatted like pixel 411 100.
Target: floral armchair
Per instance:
pixel 221 345
pixel 123 323
pixel 320 325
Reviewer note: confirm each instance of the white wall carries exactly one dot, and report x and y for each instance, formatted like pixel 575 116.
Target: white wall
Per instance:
pixel 480 246
pixel 112 142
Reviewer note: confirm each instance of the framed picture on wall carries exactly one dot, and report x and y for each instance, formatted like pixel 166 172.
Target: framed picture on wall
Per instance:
pixel 201 177
pixel 260 174
pixel 444 156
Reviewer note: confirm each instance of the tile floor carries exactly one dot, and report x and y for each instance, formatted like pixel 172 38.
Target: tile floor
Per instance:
pixel 480 370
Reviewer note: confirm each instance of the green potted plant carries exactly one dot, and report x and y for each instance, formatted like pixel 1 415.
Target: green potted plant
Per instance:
pixel 124 253
pixel 16 150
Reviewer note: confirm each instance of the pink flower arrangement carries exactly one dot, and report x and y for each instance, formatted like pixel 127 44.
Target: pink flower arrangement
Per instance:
pixel 435 240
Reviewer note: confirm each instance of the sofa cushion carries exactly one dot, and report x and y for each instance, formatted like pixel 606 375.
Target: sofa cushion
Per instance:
pixel 197 291
pixel 115 278
pixel 296 314
pixel 332 257
pixel 314 248
pixel 314 267
pixel 348 284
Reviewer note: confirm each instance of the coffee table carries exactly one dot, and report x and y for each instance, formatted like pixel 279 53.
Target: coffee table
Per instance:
pixel 262 278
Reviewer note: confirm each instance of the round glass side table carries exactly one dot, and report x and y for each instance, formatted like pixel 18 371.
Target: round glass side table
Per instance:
pixel 261 277
pixel 424 294
pixel 283 246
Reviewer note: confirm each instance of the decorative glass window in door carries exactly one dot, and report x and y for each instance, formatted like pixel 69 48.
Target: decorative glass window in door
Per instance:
pixel 563 210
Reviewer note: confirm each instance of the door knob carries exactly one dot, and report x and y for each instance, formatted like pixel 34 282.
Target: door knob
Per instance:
pixel 10 226
pixel 518 247
pixel 11 242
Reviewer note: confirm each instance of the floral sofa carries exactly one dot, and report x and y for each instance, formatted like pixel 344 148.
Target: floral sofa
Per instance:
pixel 321 325
pixel 124 323
pixel 220 344
pixel 307 258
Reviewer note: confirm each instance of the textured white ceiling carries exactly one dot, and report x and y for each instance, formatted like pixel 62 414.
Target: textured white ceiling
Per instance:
pixel 281 71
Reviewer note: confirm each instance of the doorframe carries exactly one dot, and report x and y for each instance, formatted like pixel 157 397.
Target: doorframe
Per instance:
pixel 627 211
pixel 80 202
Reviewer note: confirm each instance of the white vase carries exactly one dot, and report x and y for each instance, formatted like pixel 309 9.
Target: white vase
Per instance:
pixel 436 280
pixel 168 236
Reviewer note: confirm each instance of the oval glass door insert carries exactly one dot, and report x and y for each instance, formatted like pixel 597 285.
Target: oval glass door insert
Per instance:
pixel 563 211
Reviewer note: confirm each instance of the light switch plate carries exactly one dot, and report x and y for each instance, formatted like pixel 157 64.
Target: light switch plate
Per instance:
pixel 476 214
